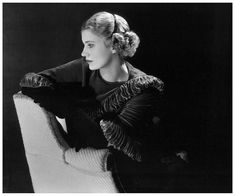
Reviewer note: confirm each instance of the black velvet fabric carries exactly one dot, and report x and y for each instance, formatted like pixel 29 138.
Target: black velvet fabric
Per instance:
pixel 82 130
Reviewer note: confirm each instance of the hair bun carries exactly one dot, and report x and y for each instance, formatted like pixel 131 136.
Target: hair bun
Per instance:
pixel 126 44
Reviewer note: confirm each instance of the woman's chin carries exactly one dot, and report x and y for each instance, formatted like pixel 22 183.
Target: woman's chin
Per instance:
pixel 92 67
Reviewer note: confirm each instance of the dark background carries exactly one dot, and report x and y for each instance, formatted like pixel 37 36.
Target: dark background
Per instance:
pixel 188 46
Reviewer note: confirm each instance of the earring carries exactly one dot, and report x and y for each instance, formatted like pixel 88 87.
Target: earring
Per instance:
pixel 113 50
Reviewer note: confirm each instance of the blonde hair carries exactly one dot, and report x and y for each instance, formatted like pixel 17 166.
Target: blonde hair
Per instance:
pixel 115 28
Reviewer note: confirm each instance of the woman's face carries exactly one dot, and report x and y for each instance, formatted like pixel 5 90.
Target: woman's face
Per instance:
pixel 96 53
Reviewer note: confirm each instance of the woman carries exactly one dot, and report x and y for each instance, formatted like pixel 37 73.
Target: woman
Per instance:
pixel 105 100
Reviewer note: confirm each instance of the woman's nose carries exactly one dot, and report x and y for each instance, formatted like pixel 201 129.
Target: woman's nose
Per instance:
pixel 84 52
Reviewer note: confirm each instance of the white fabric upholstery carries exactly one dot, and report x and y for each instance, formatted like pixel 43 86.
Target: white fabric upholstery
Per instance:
pixel 54 167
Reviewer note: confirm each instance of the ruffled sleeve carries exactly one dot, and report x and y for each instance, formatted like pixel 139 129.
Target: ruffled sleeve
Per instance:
pixel 124 131
pixel 134 104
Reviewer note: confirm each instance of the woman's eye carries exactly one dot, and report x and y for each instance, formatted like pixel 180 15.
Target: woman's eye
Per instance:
pixel 90 45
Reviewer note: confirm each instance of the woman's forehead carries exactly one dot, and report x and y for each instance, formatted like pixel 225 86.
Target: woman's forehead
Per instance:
pixel 89 36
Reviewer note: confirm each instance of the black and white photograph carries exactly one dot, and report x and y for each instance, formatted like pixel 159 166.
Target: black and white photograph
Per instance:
pixel 114 97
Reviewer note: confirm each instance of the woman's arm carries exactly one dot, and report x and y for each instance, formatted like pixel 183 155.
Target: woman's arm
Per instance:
pixel 70 72
pixel 121 132
pixel 48 88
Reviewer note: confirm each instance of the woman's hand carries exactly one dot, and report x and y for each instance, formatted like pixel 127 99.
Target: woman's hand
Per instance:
pixel 33 80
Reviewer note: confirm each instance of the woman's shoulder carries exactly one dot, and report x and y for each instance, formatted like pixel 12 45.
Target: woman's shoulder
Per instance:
pixel 133 71
pixel 139 78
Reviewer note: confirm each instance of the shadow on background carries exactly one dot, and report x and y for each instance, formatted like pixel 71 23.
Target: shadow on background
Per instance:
pixel 188 46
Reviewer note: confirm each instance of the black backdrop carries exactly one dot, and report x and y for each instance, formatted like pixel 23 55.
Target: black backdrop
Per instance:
pixel 188 46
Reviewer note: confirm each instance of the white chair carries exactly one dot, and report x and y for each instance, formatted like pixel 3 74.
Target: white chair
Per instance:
pixel 54 166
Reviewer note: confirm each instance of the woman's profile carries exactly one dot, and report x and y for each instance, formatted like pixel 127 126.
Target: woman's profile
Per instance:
pixel 106 101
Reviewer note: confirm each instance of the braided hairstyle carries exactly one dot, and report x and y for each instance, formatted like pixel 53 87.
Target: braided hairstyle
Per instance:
pixel 116 31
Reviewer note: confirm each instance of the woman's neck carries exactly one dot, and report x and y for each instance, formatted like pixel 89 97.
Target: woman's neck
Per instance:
pixel 116 71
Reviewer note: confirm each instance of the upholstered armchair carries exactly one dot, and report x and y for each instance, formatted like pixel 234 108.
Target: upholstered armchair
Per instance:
pixel 53 165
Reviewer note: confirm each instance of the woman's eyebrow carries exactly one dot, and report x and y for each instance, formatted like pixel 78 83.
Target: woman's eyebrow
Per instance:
pixel 89 41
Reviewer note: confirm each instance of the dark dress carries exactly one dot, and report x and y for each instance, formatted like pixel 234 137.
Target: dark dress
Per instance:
pixel 83 98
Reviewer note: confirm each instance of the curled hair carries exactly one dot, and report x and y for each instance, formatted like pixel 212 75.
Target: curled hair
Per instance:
pixel 116 29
